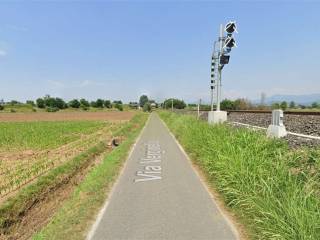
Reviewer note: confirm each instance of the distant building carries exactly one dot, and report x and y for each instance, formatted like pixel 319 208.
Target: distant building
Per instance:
pixel 133 105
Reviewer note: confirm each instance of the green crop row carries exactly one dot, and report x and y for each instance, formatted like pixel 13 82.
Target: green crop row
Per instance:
pixel 43 135
pixel 15 207
pixel 273 190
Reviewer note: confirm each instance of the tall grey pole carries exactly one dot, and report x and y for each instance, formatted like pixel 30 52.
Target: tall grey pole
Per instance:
pixel 219 69
pixel 212 78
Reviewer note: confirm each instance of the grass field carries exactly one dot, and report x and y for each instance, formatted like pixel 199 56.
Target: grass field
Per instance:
pixel 29 149
pixel 274 191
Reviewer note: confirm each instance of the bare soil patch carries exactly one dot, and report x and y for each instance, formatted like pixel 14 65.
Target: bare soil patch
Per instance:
pixel 66 116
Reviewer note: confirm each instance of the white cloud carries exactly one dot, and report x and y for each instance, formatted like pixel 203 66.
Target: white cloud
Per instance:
pixel 85 83
pixel 56 84
pixel 3 53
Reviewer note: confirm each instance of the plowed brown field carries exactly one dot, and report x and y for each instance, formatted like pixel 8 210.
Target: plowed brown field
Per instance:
pixel 65 116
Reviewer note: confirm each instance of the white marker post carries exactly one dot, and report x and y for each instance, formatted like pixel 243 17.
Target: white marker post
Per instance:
pixel 199 104
pixel 277 128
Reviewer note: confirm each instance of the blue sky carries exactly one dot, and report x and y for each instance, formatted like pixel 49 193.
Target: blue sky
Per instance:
pixel 120 50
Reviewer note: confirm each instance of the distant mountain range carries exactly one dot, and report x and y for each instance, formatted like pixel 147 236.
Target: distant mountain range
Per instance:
pixel 298 99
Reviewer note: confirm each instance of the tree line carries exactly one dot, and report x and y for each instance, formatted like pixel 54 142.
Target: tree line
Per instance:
pixel 53 104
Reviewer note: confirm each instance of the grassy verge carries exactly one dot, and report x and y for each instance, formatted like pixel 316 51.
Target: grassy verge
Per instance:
pixel 273 191
pixel 73 220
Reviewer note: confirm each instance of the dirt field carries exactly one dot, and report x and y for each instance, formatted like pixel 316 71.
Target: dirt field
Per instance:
pixel 65 116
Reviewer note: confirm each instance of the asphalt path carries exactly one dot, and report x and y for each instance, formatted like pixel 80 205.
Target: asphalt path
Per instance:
pixel 160 196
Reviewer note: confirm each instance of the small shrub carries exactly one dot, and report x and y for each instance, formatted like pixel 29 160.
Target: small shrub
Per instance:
pixel 52 109
pixel 84 108
pixel 1 107
pixel 118 106
pixel 12 110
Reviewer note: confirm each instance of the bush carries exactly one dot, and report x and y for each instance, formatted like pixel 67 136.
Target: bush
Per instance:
pixel 227 104
pixel 178 104
pixel 107 104
pixel 84 103
pixel 74 103
pixel 284 105
pixel 147 107
pixel 1 107
pixel 12 110
pixel 52 109
pixel 40 103
pixel 315 105
pixel 30 102
pixel 85 108
pixel 118 106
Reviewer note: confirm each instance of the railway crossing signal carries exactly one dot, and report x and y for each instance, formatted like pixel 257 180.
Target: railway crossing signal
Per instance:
pixel 231 27
pixel 229 42
pixel 220 58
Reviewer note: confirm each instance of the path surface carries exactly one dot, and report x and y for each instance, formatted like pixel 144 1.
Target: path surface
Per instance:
pixel 159 196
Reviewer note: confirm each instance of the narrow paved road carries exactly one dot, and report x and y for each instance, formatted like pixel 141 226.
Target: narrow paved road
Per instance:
pixel 159 196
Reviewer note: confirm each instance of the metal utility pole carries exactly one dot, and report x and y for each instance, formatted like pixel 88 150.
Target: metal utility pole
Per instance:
pixel 221 40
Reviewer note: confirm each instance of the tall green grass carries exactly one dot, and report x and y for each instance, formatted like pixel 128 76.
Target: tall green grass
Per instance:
pixel 273 191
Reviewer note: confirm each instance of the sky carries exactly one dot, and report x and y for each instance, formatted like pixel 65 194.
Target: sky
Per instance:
pixel 123 49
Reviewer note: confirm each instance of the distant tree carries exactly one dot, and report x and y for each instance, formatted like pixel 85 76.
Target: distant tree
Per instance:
pixel 117 102
pixel 302 106
pixel 50 102
pixel 14 102
pixel 107 104
pixel 242 104
pixel 30 102
pixel 40 103
pixel 143 100
pixel 275 105
pixel 93 104
pixel 227 104
pixel 147 107
pixel 60 103
pixel 84 103
pixel 315 105
pixel 178 104
pixel 292 104
pixel 99 103
pixel 284 105
pixel 74 103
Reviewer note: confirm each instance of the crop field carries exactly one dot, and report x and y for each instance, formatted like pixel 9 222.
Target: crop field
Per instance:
pixel 66 116
pixel 31 148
